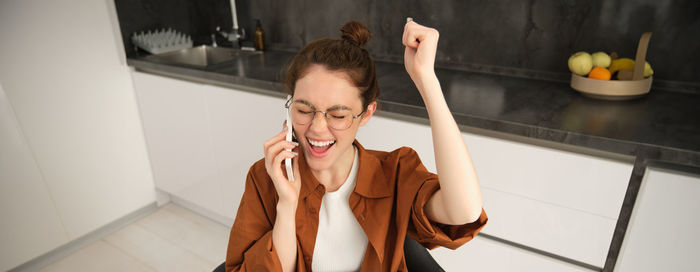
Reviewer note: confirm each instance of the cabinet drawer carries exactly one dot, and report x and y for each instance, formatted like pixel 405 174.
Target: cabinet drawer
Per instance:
pixel 582 182
pixel 555 229
pixel 483 254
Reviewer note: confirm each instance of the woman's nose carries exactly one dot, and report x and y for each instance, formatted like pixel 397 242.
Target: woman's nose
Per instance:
pixel 318 122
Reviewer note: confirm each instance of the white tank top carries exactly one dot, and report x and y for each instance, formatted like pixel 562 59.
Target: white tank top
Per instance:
pixel 340 241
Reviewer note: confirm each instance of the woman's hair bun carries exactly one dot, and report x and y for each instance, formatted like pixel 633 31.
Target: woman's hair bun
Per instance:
pixel 355 33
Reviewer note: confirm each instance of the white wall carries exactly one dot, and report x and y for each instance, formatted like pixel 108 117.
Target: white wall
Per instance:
pixel 30 224
pixel 81 142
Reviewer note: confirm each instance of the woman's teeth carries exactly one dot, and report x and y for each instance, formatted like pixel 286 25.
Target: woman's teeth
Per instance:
pixel 321 143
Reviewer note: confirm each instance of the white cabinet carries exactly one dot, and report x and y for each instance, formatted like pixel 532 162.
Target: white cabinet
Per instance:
pixel 556 201
pixel 175 122
pixel 560 202
pixel 241 123
pixel 664 229
pixel 202 139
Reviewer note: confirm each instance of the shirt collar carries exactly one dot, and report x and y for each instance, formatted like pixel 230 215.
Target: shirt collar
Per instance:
pixel 371 181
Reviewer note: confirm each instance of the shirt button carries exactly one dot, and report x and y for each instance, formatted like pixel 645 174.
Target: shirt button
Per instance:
pixel 307 258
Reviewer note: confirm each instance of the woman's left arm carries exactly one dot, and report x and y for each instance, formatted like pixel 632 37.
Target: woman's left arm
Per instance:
pixel 458 201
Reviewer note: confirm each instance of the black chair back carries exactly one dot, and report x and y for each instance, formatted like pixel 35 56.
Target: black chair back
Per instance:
pixel 418 258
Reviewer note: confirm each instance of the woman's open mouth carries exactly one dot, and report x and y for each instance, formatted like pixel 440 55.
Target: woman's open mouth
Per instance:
pixel 320 149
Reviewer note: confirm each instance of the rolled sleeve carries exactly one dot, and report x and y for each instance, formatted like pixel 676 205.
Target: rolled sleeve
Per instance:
pixel 261 256
pixel 432 234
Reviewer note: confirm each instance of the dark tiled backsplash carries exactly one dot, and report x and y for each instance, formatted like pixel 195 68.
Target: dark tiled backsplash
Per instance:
pixel 535 36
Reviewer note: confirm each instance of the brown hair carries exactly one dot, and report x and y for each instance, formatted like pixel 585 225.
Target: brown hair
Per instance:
pixel 345 54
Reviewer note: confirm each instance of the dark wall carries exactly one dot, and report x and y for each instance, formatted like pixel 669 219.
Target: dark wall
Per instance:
pixel 530 35
pixel 197 18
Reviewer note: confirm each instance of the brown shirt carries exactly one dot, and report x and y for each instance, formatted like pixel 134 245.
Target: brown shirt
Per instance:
pixel 391 190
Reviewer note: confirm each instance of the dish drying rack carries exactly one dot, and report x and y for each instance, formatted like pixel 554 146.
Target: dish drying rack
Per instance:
pixel 161 41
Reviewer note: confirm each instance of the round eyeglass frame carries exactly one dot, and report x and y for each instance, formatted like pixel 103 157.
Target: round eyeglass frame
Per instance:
pixel 288 105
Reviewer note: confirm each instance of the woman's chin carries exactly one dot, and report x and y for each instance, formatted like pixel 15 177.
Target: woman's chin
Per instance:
pixel 318 164
pixel 326 160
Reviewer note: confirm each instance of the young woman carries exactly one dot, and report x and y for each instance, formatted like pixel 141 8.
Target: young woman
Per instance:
pixel 347 208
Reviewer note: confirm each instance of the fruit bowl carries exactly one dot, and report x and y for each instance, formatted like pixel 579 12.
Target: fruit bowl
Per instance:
pixel 611 89
pixel 635 86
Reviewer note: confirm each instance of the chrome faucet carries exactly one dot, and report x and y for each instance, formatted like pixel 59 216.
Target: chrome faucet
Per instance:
pixel 234 36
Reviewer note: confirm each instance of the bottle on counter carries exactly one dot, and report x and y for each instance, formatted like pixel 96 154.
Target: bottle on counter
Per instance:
pixel 259 36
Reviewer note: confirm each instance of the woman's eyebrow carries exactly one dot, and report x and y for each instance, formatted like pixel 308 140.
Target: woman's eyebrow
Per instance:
pixel 338 107
pixel 334 107
pixel 304 102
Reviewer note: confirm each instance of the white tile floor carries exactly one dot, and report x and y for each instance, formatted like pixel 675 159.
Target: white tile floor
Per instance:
pixel 171 239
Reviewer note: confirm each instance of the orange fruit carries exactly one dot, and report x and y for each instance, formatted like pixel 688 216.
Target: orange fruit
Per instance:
pixel 599 73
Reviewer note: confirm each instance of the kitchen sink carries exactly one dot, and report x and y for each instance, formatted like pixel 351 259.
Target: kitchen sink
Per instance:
pixel 203 55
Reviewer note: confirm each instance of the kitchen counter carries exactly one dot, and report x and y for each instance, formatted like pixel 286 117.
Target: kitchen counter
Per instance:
pixel 662 126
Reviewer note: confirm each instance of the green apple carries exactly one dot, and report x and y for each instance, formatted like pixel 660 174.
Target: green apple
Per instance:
pixel 580 63
pixel 601 59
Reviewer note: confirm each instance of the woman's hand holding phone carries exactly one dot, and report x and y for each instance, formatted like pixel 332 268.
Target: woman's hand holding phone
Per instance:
pixel 275 154
pixel 284 230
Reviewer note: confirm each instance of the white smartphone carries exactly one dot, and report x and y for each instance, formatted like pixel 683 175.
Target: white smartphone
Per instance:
pixel 288 137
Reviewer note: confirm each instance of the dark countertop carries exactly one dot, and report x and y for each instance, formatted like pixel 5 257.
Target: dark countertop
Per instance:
pixel 661 126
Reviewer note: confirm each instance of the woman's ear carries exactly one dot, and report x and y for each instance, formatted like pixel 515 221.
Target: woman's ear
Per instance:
pixel 371 108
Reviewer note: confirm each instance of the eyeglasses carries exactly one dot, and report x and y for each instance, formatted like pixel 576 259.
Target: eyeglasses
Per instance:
pixel 337 117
